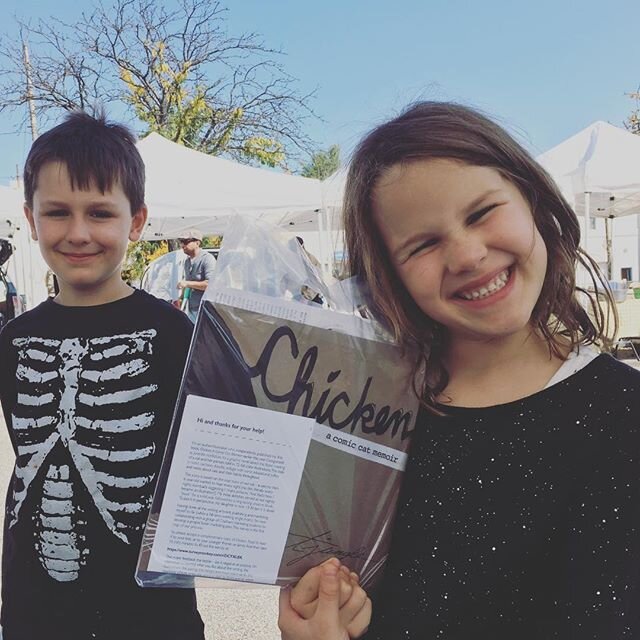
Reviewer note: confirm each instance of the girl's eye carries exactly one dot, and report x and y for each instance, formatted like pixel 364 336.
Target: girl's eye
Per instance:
pixel 427 244
pixel 478 215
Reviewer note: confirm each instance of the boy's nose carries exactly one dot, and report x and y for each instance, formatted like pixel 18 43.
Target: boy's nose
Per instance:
pixel 78 231
pixel 465 253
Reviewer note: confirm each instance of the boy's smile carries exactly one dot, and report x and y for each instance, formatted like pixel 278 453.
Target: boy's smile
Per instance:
pixel 83 235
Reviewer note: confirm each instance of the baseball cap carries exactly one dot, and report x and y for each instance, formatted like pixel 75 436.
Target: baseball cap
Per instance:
pixel 191 234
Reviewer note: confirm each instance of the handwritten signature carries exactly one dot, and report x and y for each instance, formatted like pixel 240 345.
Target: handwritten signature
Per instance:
pixel 305 546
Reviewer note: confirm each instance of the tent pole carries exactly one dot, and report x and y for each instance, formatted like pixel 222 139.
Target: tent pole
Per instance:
pixel 329 231
pixel 587 206
pixel 636 272
pixel 610 248
pixel 321 239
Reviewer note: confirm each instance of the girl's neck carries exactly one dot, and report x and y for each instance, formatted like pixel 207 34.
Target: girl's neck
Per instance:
pixel 491 372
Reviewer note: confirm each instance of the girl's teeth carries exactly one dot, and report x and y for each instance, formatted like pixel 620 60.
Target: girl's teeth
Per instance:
pixel 495 285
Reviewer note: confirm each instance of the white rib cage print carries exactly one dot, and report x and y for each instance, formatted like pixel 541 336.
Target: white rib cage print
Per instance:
pixel 87 405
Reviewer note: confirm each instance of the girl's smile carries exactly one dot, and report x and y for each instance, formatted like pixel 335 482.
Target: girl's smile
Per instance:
pixel 463 242
pixel 487 288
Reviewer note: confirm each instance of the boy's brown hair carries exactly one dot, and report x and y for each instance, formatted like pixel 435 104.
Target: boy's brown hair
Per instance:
pixel 93 150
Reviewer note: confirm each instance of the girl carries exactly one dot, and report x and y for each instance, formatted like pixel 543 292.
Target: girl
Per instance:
pixel 520 509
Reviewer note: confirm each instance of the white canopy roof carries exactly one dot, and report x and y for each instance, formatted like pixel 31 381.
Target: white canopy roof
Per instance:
pixel 186 188
pixel 333 188
pixel 601 160
pixel 11 214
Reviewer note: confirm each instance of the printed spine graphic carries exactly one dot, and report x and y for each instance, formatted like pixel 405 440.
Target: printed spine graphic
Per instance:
pixel 80 398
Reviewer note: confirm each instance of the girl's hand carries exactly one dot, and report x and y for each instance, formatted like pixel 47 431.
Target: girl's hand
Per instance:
pixel 304 596
pixel 340 611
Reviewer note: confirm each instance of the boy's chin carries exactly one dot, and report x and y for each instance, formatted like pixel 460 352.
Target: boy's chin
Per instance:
pixel 80 291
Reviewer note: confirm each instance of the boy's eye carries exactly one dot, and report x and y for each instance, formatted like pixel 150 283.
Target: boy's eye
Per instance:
pixel 101 213
pixel 55 213
pixel 478 215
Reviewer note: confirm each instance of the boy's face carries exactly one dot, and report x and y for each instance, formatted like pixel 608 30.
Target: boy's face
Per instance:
pixel 83 235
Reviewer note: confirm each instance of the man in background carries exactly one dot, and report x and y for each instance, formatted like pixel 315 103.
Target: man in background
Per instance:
pixel 198 270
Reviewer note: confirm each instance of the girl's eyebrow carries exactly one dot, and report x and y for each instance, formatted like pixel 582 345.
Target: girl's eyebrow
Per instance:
pixel 476 202
pixel 421 235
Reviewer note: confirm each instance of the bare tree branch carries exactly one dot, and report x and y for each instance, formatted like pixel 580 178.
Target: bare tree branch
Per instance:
pixel 177 71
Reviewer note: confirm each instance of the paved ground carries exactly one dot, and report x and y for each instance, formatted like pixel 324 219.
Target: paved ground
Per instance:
pixel 229 614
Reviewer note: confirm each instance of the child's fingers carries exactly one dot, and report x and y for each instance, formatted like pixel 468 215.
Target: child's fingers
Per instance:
pixel 329 621
pixel 346 589
pixel 306 589
pixel 289 622
pixel 329 597
pixel 304 596
pixel 355 604
pixel 354 617
pixel 307 609
pixel 360 623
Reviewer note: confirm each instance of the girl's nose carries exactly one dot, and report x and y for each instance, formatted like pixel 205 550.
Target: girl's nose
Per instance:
pixel 465 252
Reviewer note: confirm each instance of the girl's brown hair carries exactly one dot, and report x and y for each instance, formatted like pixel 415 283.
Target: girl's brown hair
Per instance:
pixel 451 131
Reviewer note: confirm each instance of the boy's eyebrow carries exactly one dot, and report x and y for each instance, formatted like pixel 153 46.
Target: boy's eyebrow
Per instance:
pixel 60 203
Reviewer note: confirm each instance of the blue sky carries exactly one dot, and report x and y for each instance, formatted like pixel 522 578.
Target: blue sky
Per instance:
pixel 544 69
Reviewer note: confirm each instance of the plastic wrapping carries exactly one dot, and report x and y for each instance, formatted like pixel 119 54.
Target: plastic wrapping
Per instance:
pixel 257 496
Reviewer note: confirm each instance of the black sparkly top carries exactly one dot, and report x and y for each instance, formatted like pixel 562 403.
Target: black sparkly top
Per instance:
pixel 522 521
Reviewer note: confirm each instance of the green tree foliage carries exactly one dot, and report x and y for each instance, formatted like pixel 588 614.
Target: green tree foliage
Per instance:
pixel 322 164
pixel 174 70
pixel 139 255
pixel 211 242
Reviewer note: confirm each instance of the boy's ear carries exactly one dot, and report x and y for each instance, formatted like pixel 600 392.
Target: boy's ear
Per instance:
pixel 138 221
pixel 32 225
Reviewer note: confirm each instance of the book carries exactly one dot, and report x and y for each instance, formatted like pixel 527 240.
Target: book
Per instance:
pixel 287 447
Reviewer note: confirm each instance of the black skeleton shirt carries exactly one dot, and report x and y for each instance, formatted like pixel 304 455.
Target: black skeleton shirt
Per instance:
pixel 522 521
pixel 88 395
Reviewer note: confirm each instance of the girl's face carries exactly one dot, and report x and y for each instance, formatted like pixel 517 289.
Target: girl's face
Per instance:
pixel 464 243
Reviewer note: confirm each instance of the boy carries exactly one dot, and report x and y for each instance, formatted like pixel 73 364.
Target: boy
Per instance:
pixel 88 382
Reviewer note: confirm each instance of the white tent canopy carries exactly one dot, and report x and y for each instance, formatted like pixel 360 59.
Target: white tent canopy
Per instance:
pixel 26 267
pixel 333 188
pixel 598 170
pixel 10 210
pixel 186 188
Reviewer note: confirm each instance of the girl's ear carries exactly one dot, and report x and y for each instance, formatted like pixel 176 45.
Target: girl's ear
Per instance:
pixel 138 221
pixel 32 225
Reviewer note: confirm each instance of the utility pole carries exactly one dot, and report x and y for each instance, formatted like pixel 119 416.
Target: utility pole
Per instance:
pixel 28 283
pixel 32 109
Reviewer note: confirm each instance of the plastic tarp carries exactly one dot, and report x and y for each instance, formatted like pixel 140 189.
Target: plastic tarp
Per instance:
pixel 291 430
pixel 186 188
pixel 602 161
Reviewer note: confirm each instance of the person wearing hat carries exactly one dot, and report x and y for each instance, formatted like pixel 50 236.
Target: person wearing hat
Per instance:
pixel 198 269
